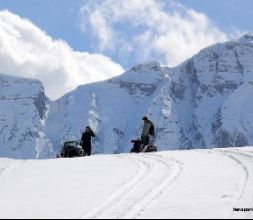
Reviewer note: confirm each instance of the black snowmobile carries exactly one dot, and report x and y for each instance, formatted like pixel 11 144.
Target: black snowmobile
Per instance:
pixel 138 147
pixel 71 149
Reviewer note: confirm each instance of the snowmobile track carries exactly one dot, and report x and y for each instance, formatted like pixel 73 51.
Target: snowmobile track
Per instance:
pixel 244 192
pixel 143 169
pixel 155 174
pixel 174 169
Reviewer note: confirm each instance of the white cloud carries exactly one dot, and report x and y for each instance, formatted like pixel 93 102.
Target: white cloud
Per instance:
pixel 149 29
pixel 27 51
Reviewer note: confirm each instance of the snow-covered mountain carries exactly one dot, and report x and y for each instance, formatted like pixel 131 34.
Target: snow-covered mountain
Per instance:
pixel 22 118
pixel 203 103
pixel 113 108
pixel 212 95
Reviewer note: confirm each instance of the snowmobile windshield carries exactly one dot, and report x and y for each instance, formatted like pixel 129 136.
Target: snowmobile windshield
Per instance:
pixel 71 144
pixel 69 138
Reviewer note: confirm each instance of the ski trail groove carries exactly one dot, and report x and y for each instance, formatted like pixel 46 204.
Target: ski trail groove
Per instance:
pixel 173 171
pixel 143 169
pixel 244 196
pixel 155 175
pixel 248 151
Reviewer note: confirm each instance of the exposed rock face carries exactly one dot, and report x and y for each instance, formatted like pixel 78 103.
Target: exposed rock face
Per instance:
pixel 203 103
pixel 113 108
pixel 23 109
pixel 213 94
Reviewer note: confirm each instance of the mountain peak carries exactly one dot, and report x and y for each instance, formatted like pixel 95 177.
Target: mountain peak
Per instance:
pixel 148 73
pixel 146 66
pixel 247 38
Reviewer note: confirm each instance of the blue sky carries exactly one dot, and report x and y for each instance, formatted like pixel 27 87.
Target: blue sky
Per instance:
pixel 61 19
pixel 115 33
pixel 225 13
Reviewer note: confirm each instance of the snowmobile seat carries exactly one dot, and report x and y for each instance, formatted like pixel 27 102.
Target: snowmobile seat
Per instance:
pixel 138 147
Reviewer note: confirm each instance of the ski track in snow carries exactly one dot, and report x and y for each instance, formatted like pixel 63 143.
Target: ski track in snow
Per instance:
pixel 7 167
pixel 244 194
pixel 155 174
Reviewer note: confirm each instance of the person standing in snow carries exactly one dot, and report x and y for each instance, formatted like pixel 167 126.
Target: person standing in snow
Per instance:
pixel 147 135
pixel 86 140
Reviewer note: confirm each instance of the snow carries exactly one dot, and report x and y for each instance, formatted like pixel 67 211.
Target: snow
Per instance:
pixel 168 184
pixel 22 111
pixel 202 103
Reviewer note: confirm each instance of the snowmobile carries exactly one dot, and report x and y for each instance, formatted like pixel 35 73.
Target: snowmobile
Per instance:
pixel 71 149
pixel 138 147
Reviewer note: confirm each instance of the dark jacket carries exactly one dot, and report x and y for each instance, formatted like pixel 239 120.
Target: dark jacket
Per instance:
pixel 86 138
pixel 86 141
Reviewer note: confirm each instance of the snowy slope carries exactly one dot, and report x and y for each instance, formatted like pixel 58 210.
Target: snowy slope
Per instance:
pixel 179 184
pixel 22 117
pixel 218 83
pixel 113 109
pixel 203 103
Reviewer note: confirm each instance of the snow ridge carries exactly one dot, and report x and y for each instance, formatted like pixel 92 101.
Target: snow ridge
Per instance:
pixel 203 103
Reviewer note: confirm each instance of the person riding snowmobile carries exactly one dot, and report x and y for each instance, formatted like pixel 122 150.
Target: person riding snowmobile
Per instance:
pixel 146 143
pixel 86 140
pixel 147 135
